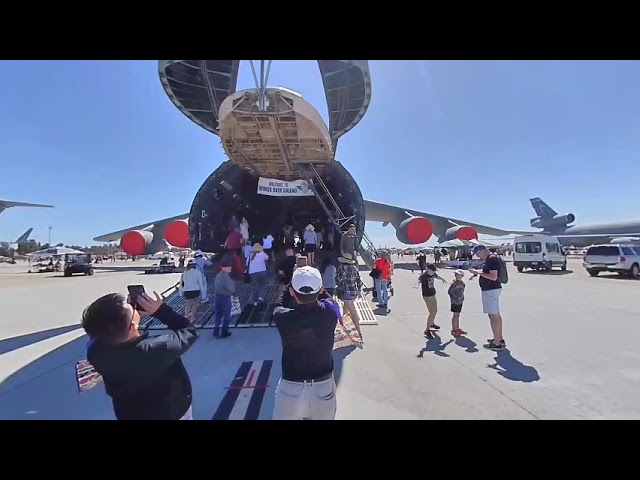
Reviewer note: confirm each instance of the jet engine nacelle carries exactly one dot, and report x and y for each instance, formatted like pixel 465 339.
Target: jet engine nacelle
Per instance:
pixel 177 234
pixel 414 231
pixel 136 242
pixel 461 232
pixel 564 219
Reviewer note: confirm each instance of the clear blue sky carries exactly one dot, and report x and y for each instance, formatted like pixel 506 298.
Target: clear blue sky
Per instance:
pixel 471 139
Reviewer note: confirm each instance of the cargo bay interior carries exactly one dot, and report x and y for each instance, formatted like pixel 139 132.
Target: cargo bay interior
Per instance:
pixel 233 190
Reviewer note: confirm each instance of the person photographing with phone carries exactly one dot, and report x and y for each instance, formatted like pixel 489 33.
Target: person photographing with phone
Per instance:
pixel 143 375
pixel 307 389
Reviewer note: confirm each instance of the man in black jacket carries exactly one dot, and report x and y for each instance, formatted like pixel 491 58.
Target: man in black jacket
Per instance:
pixel 143 375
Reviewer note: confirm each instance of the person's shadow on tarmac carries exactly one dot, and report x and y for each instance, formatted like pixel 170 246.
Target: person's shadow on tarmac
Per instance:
pixel 513 369
pixel 469 345
pixel 436 346
pixel 339 357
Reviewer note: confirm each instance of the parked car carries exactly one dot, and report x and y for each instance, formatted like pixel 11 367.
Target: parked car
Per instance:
pixel 77 263
pixel 621 259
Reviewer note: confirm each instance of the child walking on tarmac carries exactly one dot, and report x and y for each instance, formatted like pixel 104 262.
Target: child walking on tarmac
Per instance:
pixel 427 280
pixel 456 294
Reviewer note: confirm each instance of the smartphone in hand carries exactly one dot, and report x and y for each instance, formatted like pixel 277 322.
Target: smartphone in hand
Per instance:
pixel 135 291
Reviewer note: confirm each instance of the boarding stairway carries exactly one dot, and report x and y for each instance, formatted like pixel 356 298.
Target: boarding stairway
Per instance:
pixel 367 251
pixel 251 317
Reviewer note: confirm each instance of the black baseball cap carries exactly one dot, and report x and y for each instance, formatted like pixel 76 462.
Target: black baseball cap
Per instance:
pixel 431 266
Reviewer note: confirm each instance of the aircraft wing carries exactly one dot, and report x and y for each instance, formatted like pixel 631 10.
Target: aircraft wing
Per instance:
pixel 115 236
pixel 4 204
pixel 385 213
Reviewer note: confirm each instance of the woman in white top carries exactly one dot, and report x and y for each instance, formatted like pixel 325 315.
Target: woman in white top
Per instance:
pixel 267 244
pixel 202 263
pixel 257 270
pixel 310 241
pixel 244 229
pixel 192 288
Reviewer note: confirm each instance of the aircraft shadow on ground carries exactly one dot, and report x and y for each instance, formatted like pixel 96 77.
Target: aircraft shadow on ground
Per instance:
pixel 513 369
pixel 10 344
pixel 46 388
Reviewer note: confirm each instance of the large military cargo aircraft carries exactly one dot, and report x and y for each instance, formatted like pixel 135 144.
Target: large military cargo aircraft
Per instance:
pixel 282 168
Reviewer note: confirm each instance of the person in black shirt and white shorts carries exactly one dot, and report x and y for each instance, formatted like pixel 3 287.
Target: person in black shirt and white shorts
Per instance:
pixel 491 289
pixel 307 389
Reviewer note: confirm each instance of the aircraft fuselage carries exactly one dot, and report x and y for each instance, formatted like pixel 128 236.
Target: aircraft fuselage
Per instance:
pixel 607 230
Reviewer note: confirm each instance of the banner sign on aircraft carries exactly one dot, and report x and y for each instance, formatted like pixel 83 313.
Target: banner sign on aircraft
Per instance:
pixel 281 188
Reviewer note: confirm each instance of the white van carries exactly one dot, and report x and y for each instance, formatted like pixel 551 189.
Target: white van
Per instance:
pixel 539 252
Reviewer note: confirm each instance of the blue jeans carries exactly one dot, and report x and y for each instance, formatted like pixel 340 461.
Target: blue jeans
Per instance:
pixel 223 313
pixel 258 285
pixel 382 290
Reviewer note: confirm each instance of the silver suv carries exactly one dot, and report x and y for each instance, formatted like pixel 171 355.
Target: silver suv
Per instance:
pixel 622 259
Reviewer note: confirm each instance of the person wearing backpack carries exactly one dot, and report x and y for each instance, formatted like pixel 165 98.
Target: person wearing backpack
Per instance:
pixel 492 276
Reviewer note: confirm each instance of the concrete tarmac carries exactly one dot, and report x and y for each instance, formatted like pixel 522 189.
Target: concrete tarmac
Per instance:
pixel 571 352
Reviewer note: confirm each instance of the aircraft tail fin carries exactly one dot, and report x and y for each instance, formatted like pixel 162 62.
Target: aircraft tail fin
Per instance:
pixel 25 236
pixel 542 209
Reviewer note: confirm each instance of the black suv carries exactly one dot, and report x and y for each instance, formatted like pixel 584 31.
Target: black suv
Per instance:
pixel 77 263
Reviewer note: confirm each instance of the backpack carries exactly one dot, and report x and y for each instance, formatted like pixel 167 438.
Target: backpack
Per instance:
pixel 503 274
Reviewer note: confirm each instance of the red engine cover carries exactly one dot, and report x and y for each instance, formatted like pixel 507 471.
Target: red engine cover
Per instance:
pixel 177 234
pixel 418 230
pixel 135 242
pixel 466 233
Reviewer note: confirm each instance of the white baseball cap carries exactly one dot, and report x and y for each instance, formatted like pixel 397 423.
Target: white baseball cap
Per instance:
pixel 459 272
pixel 306 280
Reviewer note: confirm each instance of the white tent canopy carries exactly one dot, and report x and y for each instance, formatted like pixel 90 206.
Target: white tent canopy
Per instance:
pixel 457 243
pixel 53 252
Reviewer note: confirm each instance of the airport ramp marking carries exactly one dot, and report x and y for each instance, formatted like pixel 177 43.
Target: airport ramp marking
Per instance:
pixel 245 394
pixel 367 317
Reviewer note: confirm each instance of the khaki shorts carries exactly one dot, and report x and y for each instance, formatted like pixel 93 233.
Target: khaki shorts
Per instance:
pixel 305 400
pixel 432 304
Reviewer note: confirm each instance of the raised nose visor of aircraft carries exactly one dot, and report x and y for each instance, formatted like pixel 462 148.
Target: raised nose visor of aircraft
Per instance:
pixel 272 153
pixel 135 242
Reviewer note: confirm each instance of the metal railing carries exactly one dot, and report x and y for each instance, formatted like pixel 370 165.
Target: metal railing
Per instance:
pixel 368 251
